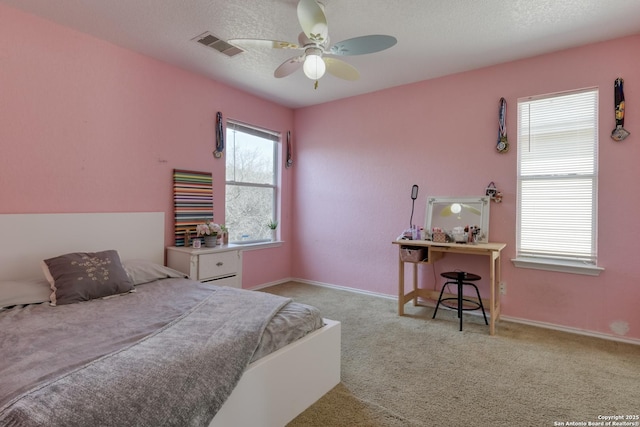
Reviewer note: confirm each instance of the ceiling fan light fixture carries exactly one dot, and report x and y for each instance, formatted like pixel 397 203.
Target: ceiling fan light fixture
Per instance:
pixel 314 66
pixel 314 41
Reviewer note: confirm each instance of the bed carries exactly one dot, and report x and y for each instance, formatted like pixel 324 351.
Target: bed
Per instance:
pixel 159 355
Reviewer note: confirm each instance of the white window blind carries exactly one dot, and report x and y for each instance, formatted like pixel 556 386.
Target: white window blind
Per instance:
pixel 558 176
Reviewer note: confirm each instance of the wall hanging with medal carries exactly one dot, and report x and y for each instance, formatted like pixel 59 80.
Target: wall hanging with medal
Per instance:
pixel 503 144
pixel 619 133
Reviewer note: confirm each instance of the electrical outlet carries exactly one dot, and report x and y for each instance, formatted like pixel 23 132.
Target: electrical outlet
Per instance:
pixel 503 288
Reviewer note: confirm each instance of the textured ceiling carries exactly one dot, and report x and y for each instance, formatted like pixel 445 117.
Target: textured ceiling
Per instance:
pixel 435 37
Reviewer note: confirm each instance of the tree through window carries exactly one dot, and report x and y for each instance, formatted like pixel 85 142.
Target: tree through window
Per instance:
pixel 251 182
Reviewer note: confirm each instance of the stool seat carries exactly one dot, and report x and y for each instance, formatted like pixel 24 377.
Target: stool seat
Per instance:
pixel 454 275
pixel 461 279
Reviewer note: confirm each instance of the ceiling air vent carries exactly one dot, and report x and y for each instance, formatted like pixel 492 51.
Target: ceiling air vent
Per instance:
pixel 209 40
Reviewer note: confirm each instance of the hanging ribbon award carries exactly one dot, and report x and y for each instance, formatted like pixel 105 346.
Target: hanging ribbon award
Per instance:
pixel 289 162
pixel 219 136
pixel 503 144
pixel 619 133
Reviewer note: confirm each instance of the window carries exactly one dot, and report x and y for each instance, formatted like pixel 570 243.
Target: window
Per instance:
pixel 558 181
pixel 251 182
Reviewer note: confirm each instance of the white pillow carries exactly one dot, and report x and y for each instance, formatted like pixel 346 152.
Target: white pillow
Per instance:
pixel 20 292
pixel 141 271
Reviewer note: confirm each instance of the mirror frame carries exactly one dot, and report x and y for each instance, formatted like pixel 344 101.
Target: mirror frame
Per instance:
pixel 483 203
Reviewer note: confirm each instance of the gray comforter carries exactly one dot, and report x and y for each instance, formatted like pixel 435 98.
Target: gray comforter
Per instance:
pixel 110 365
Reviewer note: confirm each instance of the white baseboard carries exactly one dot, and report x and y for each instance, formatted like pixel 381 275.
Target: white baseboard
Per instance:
pixel 571 330
pixel 268 285
pixel 344 288
pixel 535 323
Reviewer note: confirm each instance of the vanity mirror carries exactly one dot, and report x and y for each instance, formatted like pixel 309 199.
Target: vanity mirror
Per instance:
pixel 447 213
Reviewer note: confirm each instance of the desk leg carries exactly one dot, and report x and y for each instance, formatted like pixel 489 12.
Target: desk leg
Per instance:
pixel 498 281
pixel 400 287
pixel 460 302
pixel 492 302
pixel 415 284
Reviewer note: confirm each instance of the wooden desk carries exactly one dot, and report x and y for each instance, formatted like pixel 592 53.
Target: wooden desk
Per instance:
pixel 436 251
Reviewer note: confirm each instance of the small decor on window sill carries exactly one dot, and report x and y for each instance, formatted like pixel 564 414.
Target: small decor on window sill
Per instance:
pixel 210 232
pixel 273 225
pixel 225 234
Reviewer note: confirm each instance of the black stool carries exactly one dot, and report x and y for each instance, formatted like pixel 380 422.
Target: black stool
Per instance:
pixel 460 278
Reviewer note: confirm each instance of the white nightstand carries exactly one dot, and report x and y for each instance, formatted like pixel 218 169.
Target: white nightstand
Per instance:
pixel 221 266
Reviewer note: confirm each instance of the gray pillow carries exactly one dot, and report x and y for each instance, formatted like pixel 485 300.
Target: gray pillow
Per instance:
pixel 142 271
pixel 21 292
pixel 84 276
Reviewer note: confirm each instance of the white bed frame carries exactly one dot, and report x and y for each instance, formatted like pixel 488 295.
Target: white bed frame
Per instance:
pixel 272 391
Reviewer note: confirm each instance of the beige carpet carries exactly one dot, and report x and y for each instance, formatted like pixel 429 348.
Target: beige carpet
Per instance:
pixel 414 371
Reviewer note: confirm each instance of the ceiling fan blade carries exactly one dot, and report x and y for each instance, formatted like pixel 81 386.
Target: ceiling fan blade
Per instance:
pixel 341 69
pixel 362 45
pixel 312 20
pixel 471 209
pixel 258 43
pixel 446 211
pixel 289 66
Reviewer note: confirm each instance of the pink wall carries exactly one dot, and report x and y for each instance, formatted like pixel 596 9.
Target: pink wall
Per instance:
pixel 86 126
pixel 354 176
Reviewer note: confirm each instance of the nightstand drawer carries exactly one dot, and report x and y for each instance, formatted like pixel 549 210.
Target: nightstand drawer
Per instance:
pixel 218 264
pixel 231 281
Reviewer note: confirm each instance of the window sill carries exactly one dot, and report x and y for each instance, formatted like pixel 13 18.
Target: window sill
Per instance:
pixel 255 245
pixel 560 266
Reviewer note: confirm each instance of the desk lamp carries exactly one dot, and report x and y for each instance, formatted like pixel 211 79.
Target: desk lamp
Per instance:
pixel 414 196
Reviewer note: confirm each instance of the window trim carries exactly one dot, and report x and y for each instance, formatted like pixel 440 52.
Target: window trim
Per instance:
pixel 551 263
pixel 562 266
pixel 275 138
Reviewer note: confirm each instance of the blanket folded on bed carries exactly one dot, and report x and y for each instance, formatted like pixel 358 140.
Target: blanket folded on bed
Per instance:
pixel 178 376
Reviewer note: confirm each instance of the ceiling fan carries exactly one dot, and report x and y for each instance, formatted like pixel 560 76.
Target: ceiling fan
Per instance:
pixel 314 42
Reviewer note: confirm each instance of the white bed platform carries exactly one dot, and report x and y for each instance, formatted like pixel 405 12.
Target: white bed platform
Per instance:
pixel 278 387
pixel 272 391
